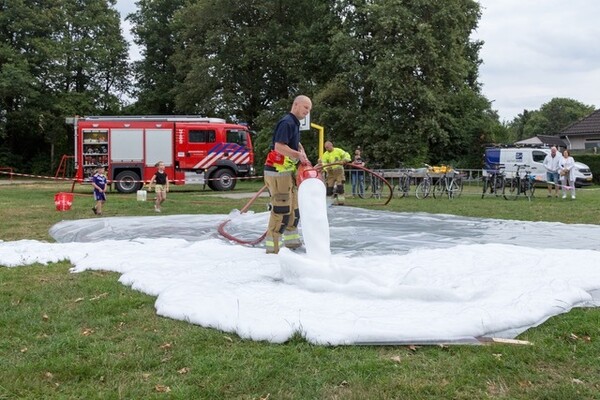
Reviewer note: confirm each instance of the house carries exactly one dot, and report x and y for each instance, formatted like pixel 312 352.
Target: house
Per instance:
pixel 542 141
pixel 583 134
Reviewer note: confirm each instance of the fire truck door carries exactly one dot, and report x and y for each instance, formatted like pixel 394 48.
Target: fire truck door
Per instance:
pixel 194 154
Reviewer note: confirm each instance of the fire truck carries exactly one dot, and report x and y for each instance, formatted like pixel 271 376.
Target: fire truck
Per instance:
pixel 206 151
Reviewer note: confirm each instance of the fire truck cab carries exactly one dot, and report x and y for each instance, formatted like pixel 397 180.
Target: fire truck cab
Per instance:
pixel 194 150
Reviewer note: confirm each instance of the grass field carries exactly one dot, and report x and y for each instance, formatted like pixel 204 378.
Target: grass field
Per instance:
pixel 86 336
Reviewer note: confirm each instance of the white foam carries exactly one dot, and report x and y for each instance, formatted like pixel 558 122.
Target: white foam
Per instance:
pixel 452 292
pixel 313 217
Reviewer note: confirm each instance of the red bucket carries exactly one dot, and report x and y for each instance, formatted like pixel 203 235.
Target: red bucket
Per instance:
pixel 63 201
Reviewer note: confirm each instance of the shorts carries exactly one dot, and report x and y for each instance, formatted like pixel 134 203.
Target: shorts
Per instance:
pixel 99 196
pixel 160 188
pixel 552 177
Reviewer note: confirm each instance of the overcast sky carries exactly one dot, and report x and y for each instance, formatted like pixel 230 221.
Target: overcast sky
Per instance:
pixel 534 50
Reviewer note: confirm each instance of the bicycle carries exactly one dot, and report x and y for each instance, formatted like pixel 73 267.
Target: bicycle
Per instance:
pixel 458 180
pixel 402 189
pixel 518 184
pixel 424 187
pixel 374 183
pixel 447 186
pixel 494 181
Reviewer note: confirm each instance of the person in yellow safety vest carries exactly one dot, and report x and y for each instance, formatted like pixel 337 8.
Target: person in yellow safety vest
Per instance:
pixel 335 173
pixel 280 167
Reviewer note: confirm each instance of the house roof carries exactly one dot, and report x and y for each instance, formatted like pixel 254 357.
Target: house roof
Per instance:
pixel 546 140
pixel 551 140
pixel 589 125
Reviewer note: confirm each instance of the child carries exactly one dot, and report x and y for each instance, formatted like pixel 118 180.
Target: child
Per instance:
pixel 99 183
pixel 162 185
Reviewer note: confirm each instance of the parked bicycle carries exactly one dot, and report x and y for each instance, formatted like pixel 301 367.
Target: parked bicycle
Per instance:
pixel 518 184
pixel 402 189
pixel 447 186
pixel 375 184
pixel 424 187
pixel 493 182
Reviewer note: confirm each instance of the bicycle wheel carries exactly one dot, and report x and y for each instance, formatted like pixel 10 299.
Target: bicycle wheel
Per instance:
pixel 368 183
pixel 376 187
pixel 486 186
pixel 439 189
pixel 499 185
pixel 405 186
pixel 423 189
pixel 528 188
pixel 454 189
pixel 532 189
pixel 459 186
pixel 511 189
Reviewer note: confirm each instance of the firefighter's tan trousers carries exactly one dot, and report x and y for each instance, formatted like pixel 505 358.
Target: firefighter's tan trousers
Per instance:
pixel 335 179
pixel 284 218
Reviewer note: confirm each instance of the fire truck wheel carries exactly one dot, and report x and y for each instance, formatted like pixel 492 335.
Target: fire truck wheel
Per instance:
pixel 127 182
pixel 223 180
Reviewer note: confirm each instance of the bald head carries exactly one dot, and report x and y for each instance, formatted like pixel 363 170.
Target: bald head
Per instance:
pixel 328 146
pixel 301 106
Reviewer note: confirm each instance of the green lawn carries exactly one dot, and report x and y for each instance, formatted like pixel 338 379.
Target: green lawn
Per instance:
pixel 86 336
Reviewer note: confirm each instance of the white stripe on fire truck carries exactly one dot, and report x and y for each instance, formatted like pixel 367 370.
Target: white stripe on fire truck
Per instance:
pixel 241 158
pixel 214 157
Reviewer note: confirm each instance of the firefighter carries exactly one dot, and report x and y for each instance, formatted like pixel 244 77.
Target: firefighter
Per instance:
pixel 335 173
pixel 279 174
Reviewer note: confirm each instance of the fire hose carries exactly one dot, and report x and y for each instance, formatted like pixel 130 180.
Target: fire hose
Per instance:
pixel 310 172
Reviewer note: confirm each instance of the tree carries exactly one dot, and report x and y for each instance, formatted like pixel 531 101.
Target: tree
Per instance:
pixel 58 58
pixel 550 119
pixel 238 58
pixel 559 113
pixel 155 73
pixel 404 69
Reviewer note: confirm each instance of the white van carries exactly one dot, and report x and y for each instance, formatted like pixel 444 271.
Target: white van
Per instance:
pixel 510 157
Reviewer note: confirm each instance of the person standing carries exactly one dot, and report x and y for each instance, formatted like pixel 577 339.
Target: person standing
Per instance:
pixel 335 173
pixel 357 176
pixel 552 165
pixel 567 173
pixel 162 185
pixel 99 182
pixel 279 175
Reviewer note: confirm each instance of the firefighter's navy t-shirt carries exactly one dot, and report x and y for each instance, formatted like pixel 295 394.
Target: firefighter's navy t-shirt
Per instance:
pixel 287 131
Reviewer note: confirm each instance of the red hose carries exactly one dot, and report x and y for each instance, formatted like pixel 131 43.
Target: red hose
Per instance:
pixel 226 235
pixel 370 171
pixel 221 228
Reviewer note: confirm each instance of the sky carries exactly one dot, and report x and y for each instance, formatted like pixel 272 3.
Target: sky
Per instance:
pixel 534 51
pixel 365 277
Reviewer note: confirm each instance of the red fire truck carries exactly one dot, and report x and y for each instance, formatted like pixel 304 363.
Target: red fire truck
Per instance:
pixel 194 149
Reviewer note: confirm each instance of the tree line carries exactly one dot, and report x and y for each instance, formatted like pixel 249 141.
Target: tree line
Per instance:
pixel 399 79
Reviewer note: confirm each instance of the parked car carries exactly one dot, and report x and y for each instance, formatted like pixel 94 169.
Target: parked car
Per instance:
pixel 510 157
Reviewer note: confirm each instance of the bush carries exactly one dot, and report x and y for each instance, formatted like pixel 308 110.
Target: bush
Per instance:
pixel 592 161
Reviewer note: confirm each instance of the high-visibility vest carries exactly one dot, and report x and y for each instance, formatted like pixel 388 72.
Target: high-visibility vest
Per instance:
pixel 336 155
pixel 280 162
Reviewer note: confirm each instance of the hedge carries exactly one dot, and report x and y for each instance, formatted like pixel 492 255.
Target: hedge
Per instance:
pixel 592 161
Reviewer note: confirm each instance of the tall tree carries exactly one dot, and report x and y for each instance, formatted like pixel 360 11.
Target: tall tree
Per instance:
pixel 155 73
pixel 404 69
pixel 58 58
pixel 240 57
